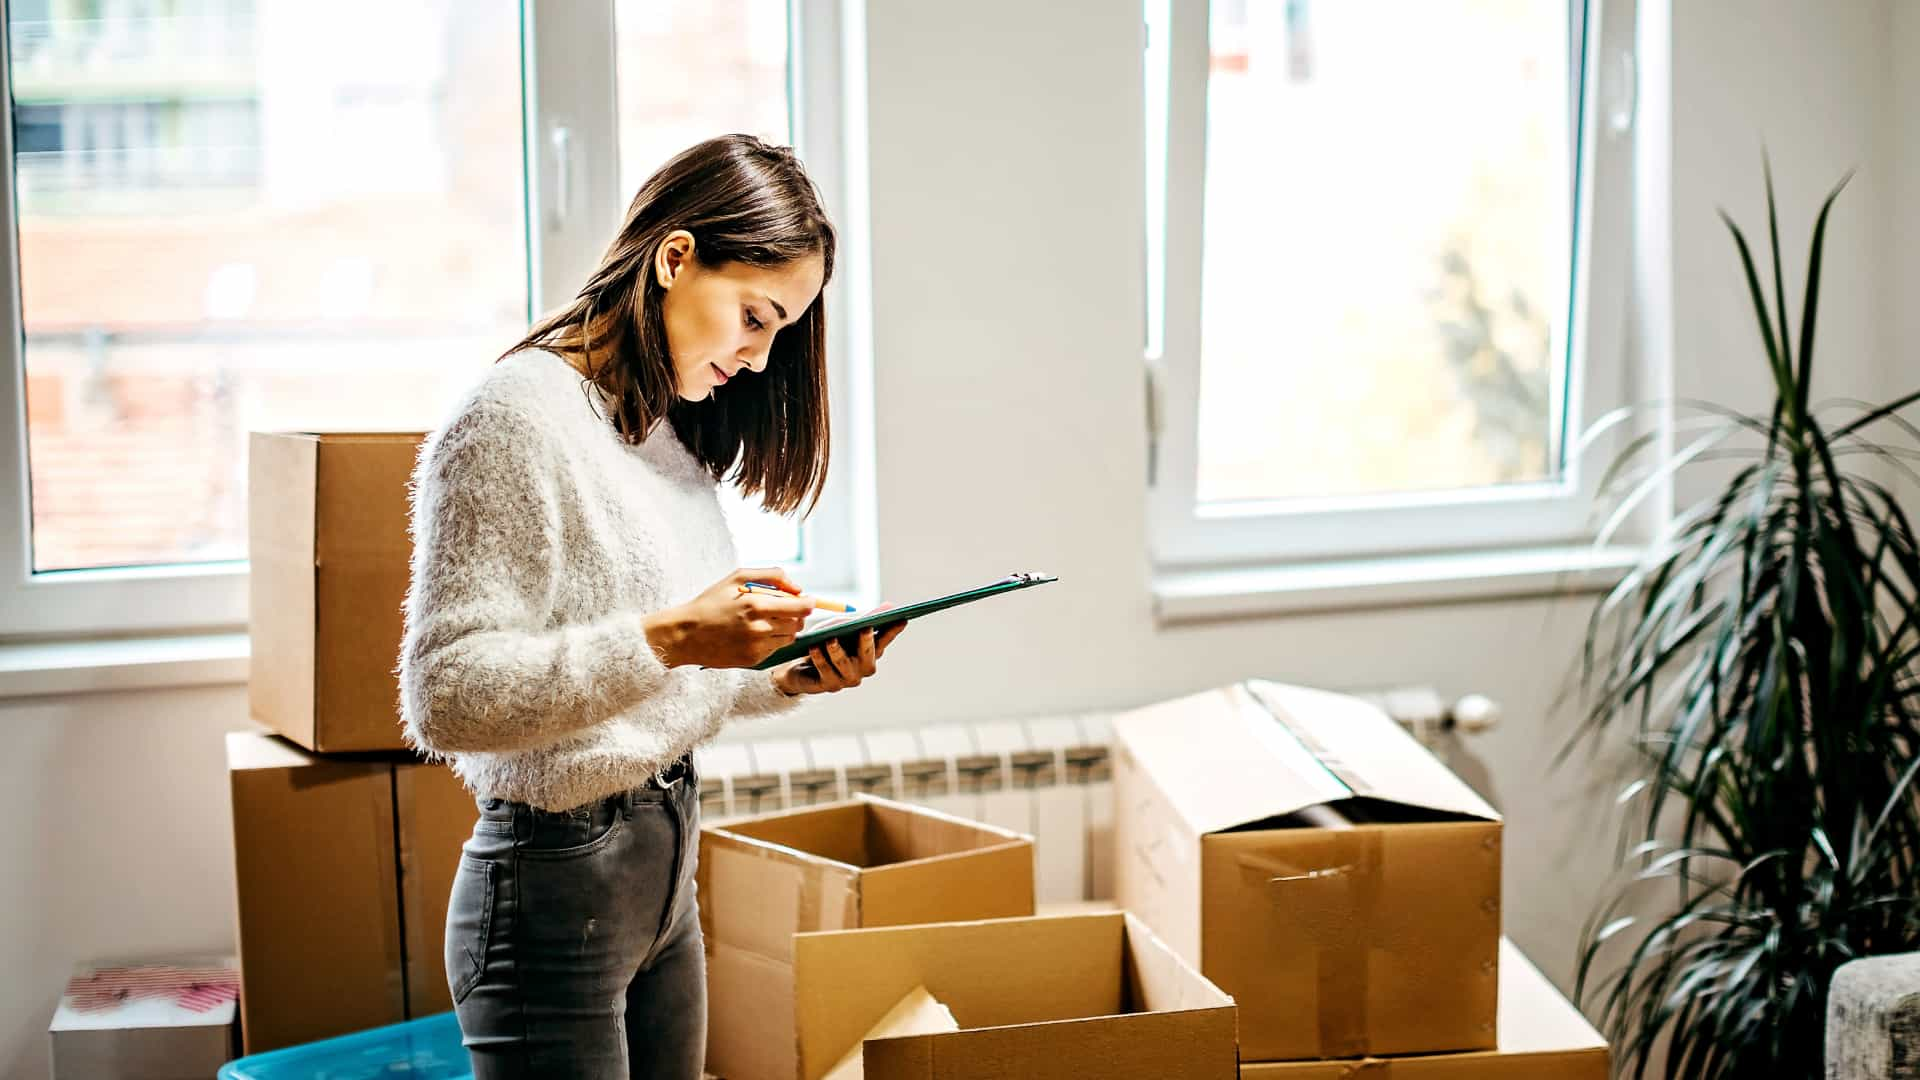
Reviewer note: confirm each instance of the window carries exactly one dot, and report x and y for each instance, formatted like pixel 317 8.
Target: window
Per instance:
pixel 250 214
pixel 1378 298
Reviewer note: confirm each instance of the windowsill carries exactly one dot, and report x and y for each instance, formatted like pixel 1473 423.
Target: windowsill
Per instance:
pixel 1190 596
pixel 113 665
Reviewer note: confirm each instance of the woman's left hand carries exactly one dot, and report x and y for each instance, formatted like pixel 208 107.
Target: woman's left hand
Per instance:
pixel 831 668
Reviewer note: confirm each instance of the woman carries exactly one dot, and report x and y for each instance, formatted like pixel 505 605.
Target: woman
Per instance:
pixel 567 644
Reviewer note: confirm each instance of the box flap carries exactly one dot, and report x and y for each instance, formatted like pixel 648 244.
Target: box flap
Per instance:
pixel 1246 753
pixel 916 1014
pixel 982 883
pixel 1221 761
pixel 1195 1045
pixel 1367 751
pixel 755 896
pixel 1159 981
pixel 993 973
pixel 832 833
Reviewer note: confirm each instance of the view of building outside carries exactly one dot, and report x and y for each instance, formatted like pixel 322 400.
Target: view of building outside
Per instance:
pixel 1386 247
pixel 255 214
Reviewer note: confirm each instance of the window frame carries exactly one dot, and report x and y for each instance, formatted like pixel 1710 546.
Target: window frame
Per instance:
pixel 1186 535
pixel 569 80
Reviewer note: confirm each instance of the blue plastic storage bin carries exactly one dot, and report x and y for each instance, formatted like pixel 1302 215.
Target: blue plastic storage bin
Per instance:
pixel 424 1049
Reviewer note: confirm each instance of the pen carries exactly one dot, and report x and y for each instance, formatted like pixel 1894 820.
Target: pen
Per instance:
pixel 775 590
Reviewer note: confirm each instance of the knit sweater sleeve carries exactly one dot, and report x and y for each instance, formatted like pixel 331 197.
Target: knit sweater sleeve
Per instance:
pixel 480 668
pixel 755 695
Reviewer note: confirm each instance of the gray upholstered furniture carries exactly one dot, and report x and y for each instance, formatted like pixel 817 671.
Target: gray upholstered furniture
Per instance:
pixel 1873 1019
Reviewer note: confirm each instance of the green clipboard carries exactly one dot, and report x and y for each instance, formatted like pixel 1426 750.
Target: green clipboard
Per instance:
pixel 851 627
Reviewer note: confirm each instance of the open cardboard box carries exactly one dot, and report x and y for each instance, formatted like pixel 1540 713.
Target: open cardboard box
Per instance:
pixel 1316 863
pixel 1043 998
pixel 862 863
pixel 1542 1037
pixel 327 532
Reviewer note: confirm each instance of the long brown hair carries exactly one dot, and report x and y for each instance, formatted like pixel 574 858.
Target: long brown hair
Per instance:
pixel 743 200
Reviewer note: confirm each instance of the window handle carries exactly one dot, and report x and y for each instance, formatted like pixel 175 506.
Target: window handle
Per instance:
pixel 1623 96
pixel 560 138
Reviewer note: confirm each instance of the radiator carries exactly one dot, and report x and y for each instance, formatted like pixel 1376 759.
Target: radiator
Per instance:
pixel 1049 778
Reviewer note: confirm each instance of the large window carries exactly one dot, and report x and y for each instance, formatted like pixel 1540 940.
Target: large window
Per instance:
pixel 1372 273
pixel 255 214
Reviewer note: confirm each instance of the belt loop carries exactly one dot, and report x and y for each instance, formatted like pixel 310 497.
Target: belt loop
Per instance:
pixel 626 804
pixel 522 815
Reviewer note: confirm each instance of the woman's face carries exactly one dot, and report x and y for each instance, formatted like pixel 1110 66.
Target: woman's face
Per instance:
pixel 721 321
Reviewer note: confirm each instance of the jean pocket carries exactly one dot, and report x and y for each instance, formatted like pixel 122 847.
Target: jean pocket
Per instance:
pixel 469 925
pixel 561 836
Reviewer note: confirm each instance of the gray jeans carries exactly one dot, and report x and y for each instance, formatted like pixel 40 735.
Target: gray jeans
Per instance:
pixel 573 938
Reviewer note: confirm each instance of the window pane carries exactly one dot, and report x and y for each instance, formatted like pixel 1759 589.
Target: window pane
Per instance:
pixel 1386 246
pixel 238 215
pixel 690 70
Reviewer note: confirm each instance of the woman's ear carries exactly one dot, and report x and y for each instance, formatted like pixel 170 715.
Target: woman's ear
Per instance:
pixel 672 257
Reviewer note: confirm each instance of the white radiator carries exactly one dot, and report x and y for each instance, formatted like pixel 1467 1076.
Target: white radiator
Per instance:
pixel 1047 777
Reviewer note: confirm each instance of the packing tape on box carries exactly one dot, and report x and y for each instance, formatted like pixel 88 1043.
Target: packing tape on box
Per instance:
pixel 1332 762
pixel 1334 905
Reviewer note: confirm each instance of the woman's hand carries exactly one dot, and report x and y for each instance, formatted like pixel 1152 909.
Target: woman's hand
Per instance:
pixel 830 668
pixel 725 628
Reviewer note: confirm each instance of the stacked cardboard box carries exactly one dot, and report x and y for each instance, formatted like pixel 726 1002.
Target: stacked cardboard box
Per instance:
pixel 1317 863
pixel 327 520
pixel 345 845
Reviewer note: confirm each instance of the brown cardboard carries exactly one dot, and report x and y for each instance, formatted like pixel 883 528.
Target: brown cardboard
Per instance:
pixel 1542 1037
pixel 1041 998
pixel 343 870
pixel 314 870
pixel 916 1014
pixel 327 528
pixel 1376 932
pixel 435 814
pixel 864 862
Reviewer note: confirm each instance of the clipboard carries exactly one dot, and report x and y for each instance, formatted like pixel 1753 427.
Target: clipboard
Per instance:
pixel 887 616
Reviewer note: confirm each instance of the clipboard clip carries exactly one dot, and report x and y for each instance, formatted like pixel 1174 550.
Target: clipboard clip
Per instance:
pixel 1028 576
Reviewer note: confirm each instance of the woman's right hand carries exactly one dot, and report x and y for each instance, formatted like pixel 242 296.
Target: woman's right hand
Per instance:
pixel 725 628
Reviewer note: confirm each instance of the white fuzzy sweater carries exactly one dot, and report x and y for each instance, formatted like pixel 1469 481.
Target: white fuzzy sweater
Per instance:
pixel 540 539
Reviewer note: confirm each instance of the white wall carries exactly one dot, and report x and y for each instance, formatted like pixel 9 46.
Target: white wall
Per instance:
pixel 1006 223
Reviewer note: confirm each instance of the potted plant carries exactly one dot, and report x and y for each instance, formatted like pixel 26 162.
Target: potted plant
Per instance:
pixel 1764 659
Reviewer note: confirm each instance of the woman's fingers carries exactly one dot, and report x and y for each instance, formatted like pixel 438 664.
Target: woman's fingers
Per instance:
pixel 869 655
pixel 830 677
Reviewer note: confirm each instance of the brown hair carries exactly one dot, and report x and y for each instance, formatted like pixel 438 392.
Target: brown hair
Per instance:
pixel 743 200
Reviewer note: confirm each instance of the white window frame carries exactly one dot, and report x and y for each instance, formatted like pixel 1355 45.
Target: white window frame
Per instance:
pixel 569 64
pixel 1186 535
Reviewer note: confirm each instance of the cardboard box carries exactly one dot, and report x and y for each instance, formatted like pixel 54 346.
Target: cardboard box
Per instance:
pixel 863 863
pixel 152 1034
pixel 1044 998
pixel 327 529
pixel 1376 932
pixel 343 869
pixel 1542 1037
